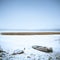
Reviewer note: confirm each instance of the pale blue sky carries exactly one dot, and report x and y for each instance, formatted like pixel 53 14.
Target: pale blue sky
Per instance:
pixel 30 14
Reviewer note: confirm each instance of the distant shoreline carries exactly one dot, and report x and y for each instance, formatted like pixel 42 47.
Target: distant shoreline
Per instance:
pixel 30 33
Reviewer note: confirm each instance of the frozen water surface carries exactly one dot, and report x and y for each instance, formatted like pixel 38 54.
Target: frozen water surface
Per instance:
pixel 25 43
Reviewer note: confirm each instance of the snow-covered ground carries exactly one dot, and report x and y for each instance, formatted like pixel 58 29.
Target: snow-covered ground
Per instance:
pixel 11 43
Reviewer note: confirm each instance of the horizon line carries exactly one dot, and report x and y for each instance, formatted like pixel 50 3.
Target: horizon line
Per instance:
pixel 31 29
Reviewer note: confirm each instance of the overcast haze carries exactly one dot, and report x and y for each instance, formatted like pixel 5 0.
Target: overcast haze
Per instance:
pixel 29 14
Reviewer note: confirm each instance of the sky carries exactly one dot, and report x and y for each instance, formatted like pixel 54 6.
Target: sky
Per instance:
pixel 29 14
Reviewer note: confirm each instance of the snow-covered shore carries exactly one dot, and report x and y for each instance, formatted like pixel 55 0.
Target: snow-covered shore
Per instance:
pixel 11 43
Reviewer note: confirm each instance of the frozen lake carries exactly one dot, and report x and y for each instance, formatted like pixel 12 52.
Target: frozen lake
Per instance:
pixel 11 43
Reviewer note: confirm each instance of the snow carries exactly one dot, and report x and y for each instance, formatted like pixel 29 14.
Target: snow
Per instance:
pixel 11 43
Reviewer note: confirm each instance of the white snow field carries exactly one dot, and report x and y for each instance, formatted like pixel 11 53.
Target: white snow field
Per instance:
pixel 25 43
